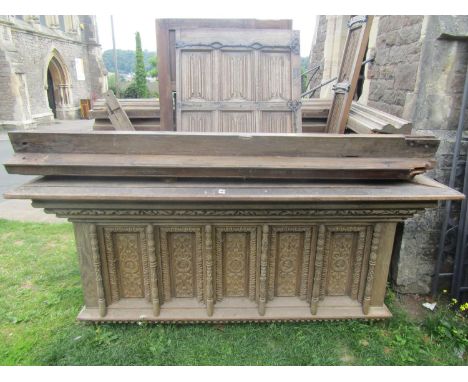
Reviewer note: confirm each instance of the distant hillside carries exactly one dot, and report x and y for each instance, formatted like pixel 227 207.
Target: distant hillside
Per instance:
pixel 125 60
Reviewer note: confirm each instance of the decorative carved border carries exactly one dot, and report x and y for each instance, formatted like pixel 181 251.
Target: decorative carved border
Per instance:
pixel 253 258
pixel 318 270
pixel 356 270
pixel 401 213
pixel 97 270
pixel 111 259
pixel 293 45
pixel 165 259
pixel 371 270
pixel 307 230
pixel 262 296
pixel 209 270
pixel 153 269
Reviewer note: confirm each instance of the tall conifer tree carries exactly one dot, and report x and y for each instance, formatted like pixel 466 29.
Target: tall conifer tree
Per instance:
pixel 140 72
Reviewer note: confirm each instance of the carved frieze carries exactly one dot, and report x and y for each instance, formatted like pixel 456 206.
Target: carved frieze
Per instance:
pixel 391 212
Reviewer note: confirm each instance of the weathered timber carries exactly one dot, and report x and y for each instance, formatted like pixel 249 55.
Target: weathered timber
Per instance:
pixel 288 156
pixel 215 166
pixel 345 87
pixel 366 120
pixel 117 115
pixel 311 254
pixel 202 144
pixel 165 38
pixel 145 116
pixel 138 189
pixel 241 81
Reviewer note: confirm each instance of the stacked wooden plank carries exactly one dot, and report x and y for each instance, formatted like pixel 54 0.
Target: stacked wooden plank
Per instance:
pixel 145 116
pixel 191 155
pixel 143 113
pixel 314 115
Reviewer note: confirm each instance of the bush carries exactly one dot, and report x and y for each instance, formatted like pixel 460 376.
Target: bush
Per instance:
pixel 131 91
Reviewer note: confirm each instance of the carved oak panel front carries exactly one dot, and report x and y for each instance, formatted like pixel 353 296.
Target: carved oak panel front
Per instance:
pixel 289 261
pixel 345 251
pixel 236 262
pixel 127 262
pixel 182 263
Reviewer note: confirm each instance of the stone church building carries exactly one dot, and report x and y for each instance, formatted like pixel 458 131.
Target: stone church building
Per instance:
pixel 47 65
pixel 418 73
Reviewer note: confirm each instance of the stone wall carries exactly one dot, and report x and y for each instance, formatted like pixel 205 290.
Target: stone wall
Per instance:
pixel 317 52
pixel 397 56
pixel 434 108
pixel 418 74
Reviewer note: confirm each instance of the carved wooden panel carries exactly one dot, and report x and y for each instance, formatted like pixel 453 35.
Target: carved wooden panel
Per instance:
pixel 197 121
pixel 275 122
pixel 127 262
pixel 196 76
pixel 236 259
pixel 289 261
pixel 275 76
pixel 234 77
pixel 182 263
pixel 345 250
pixel 232 122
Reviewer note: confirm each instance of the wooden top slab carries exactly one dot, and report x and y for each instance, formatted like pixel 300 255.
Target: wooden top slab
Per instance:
pixel 147 190
pixel 179 143
pixel 205 155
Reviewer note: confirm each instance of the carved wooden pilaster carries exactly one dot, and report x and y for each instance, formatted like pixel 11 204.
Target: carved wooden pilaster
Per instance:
pixel 263 272
pixel 318 270
pixel 209 270
pixel 97 270
pixel 370 272
pixel 153 269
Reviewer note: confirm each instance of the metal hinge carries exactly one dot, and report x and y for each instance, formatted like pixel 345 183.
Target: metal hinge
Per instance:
pixel 357 21
pixel 294 105
pixel 341 87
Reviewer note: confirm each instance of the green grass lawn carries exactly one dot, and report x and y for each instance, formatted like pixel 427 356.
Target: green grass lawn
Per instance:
pixel 40 296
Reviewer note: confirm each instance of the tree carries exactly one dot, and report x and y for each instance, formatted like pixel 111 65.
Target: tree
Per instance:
pixel 125 59
pixel 131 91
pixel 153 62
pixel 140 72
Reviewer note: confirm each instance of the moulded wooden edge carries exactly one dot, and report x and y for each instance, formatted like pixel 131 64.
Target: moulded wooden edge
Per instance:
pixel 281 310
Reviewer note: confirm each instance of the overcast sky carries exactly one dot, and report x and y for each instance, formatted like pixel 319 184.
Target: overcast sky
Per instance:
pixel 126 26
pixel 139 15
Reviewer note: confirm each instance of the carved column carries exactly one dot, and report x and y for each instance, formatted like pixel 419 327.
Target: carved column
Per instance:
pixel 370 272
pixel 318 270
pixel 209 270
pixel 153 269
pixel 263 271
pixel 97 270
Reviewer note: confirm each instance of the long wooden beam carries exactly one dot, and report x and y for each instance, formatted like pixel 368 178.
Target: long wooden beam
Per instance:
pixel 205 144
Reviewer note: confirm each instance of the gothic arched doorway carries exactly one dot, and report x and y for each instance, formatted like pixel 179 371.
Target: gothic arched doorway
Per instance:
pixel 58 86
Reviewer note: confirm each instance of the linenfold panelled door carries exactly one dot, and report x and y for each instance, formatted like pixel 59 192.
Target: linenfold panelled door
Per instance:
pixel 238 80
